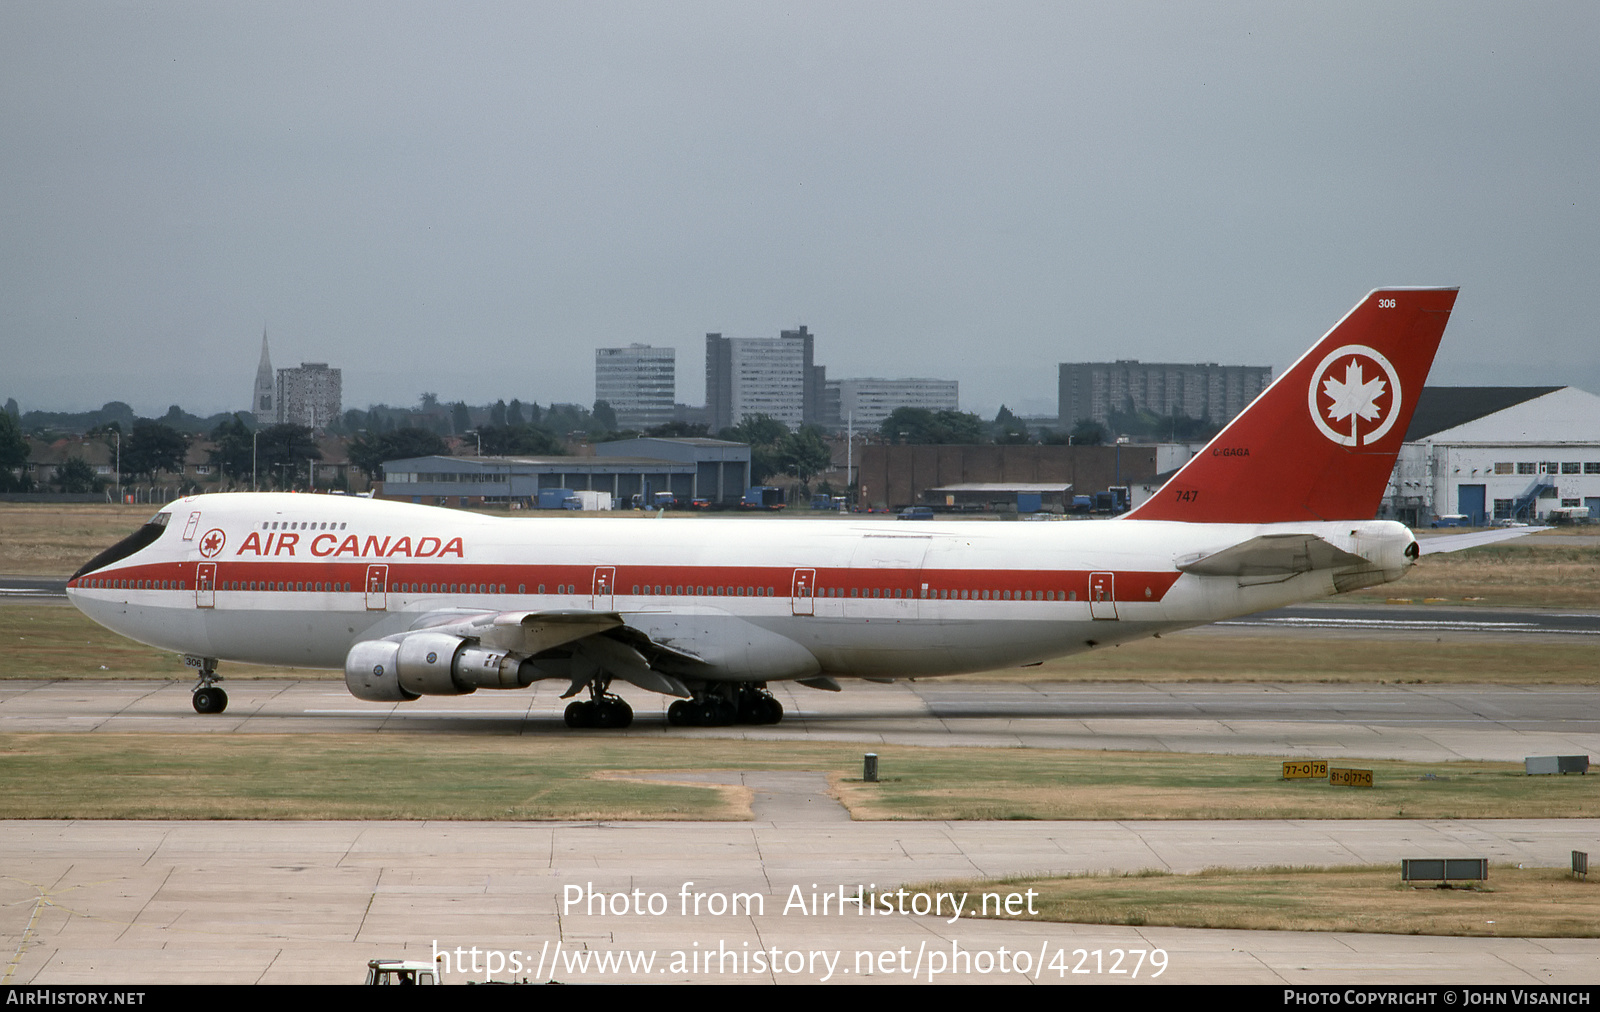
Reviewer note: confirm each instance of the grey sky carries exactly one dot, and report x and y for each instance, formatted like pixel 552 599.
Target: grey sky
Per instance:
pixel 470 199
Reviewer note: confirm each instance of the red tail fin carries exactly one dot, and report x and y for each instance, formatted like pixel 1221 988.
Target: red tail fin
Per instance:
pixel 1320 442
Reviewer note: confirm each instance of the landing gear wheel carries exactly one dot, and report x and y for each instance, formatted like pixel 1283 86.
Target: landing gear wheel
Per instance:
pixel 607 711
pixel 612 711
pixel 757 706
pixel 210 699
pixel 207 697
pixel 679 714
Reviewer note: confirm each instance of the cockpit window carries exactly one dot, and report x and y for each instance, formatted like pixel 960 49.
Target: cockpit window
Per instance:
pixel 141 538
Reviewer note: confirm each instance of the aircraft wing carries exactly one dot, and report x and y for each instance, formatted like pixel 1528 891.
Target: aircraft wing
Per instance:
pixel 528 632
pixel 1273 556
pixel 1457 542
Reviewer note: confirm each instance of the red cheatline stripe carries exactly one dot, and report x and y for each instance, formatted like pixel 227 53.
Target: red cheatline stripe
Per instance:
pixel 1129 586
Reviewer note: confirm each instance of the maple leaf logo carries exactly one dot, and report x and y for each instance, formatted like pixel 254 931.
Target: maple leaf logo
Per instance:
pixel 1364 408
pixel 212 543
pixel 1353 399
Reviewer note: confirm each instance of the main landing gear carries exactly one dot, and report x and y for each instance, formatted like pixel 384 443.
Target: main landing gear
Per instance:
pixel 721 705
pixel 602 709
pixel 208 698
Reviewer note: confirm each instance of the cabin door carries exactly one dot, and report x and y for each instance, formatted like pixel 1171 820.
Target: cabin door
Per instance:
pixel 377 588
pixel 1102 595
pixel 205 585
pixel 805 592
pixel 605 588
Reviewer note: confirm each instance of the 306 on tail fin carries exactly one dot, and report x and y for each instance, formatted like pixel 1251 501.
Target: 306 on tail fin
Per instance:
pixel 1320 442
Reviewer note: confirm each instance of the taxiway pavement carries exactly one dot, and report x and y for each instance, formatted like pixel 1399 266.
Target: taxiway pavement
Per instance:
pixel 1416 722
pixel 277 902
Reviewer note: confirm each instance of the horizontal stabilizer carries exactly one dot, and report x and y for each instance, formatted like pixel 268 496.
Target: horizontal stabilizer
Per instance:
pixel 1458 542
pixel 1280 555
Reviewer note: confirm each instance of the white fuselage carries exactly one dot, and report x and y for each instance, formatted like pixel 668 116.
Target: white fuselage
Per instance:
pixel 299 579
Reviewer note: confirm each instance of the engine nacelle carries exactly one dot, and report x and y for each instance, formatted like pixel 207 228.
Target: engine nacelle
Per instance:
pixel 430 664
pixel 372 672
pixel 427 661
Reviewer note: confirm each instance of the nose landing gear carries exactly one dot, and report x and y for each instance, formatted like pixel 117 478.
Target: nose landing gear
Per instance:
pixel 208 698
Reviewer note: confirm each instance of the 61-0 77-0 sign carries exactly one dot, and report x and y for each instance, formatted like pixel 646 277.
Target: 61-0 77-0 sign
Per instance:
pixel 1349 778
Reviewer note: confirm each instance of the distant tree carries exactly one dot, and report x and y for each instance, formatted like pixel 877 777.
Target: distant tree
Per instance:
pixel 367 452
pixel 76 475
pixel 1089 432
pixel 414 442
pixel 370 451
pixel 766 436
pixel 13 410
pixel 534 414
pixel 514 413
pixel 1151 426
pixel 283 451
pixel 604 417
pixel 460 418
pixel 507 440
pixel 117 413
pixel 561 419
pixel 13 456
pixel 153 447
pixel 919 425
pixel 497 414
pixel 1008 428
pixel 804 454
pixel 430 401
pixel 679 430
pixel 757 430
pixel 232 450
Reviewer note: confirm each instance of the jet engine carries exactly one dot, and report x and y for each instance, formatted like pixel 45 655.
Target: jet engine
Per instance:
pixel 430 664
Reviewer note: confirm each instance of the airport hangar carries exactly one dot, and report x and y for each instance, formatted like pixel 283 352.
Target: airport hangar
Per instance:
pixel 689 468
pixel 1497 453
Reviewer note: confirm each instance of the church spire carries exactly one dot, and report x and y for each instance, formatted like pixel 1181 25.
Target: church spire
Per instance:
pixel 262 398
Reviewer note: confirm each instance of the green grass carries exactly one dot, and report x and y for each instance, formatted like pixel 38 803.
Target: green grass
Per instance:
pixel 1306 656
pixel 1061 784
pixel 1512 902
pixel 146 776
pixel 1514 574
pixel 58 641
pixel 576 776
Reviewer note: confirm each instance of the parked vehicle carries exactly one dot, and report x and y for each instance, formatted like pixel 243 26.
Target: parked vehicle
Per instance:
pixel 763 497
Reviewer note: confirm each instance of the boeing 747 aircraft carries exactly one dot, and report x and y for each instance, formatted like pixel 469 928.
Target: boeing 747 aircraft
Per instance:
pixel 416 600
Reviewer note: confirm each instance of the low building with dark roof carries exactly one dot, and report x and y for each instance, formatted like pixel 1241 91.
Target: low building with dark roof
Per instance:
pixel 1498 453
pixel 712 469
